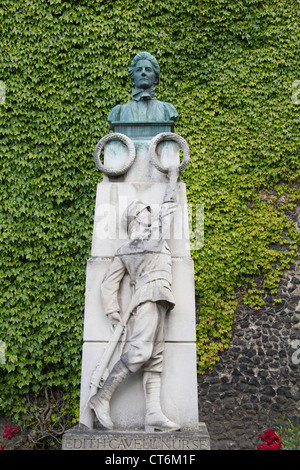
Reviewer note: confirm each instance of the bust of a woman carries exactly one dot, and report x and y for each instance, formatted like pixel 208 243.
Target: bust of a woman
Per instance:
pixel 144 107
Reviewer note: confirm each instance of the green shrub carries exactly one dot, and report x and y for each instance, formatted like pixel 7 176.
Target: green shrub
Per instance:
pixel 290 434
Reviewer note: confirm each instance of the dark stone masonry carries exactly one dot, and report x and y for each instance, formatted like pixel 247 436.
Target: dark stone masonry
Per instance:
pixel 257 380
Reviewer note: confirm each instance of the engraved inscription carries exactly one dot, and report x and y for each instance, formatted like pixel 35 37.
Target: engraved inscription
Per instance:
pixel 134 443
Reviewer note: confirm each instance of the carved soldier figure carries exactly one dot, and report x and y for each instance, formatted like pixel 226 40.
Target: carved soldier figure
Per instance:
pixel 146 258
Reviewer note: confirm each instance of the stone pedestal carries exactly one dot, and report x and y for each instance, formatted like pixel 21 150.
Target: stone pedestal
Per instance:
pixel 117 441
pixel 179 397
pixel 179 377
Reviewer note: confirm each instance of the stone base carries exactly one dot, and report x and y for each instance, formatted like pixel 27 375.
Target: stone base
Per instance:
pixel 80 438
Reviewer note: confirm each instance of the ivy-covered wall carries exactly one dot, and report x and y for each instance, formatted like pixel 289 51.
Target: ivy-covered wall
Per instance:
pixel 228 67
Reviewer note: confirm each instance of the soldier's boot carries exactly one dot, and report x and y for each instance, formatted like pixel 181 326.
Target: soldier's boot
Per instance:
pixel 155 420
pixel 100 403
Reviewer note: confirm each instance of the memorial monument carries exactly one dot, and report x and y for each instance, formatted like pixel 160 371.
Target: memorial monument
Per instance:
pixel 139 377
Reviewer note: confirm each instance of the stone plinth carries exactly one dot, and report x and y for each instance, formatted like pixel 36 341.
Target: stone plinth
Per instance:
pixel 80 438
pixel 179 377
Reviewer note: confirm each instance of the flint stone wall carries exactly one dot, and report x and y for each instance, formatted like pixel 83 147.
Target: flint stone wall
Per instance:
pixel 257 380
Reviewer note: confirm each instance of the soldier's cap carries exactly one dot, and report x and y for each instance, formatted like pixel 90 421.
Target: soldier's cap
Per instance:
pixel 134 209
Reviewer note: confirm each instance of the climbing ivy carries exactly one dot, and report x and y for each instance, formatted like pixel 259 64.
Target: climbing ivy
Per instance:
pixel 229 69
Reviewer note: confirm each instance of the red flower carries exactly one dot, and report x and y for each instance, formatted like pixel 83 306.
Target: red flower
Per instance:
pixel 10 432
pixel 2 447
pixel 271 439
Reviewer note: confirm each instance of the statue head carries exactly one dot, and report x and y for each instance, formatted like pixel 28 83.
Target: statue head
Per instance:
pixel 147 60
pixel 138 216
